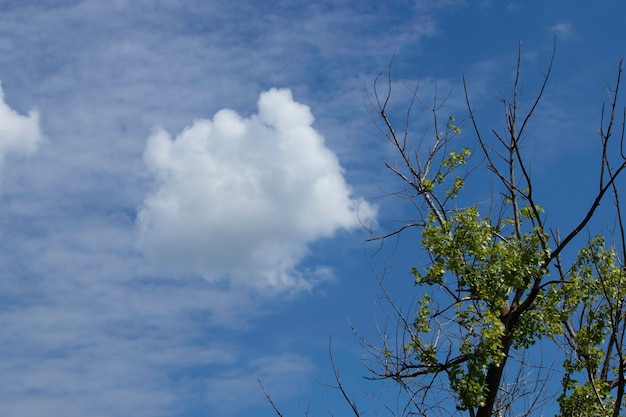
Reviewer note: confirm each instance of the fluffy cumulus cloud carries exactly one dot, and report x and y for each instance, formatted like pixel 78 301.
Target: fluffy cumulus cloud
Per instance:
pixel 239 199
pixel 19 135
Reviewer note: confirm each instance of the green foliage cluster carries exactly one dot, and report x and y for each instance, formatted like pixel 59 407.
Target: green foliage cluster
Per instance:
pixel 594 293
pixel 490 269
pixel 481 269
pixel 485 270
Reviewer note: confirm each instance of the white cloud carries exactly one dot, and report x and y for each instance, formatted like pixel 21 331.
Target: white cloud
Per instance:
pixel 19 135
pixel 240 198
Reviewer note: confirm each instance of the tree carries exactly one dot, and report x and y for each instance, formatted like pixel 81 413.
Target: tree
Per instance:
pixel 496 283
pixel 497 276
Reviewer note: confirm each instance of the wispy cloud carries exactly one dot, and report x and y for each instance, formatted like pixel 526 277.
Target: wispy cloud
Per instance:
pixel 513 7
pixel 282 375
pixel 563 29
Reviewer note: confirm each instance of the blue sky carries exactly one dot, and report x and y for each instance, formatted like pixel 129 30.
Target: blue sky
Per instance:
pixel 182 184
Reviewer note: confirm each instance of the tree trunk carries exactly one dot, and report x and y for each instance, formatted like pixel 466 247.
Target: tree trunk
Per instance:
pixel 494 377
